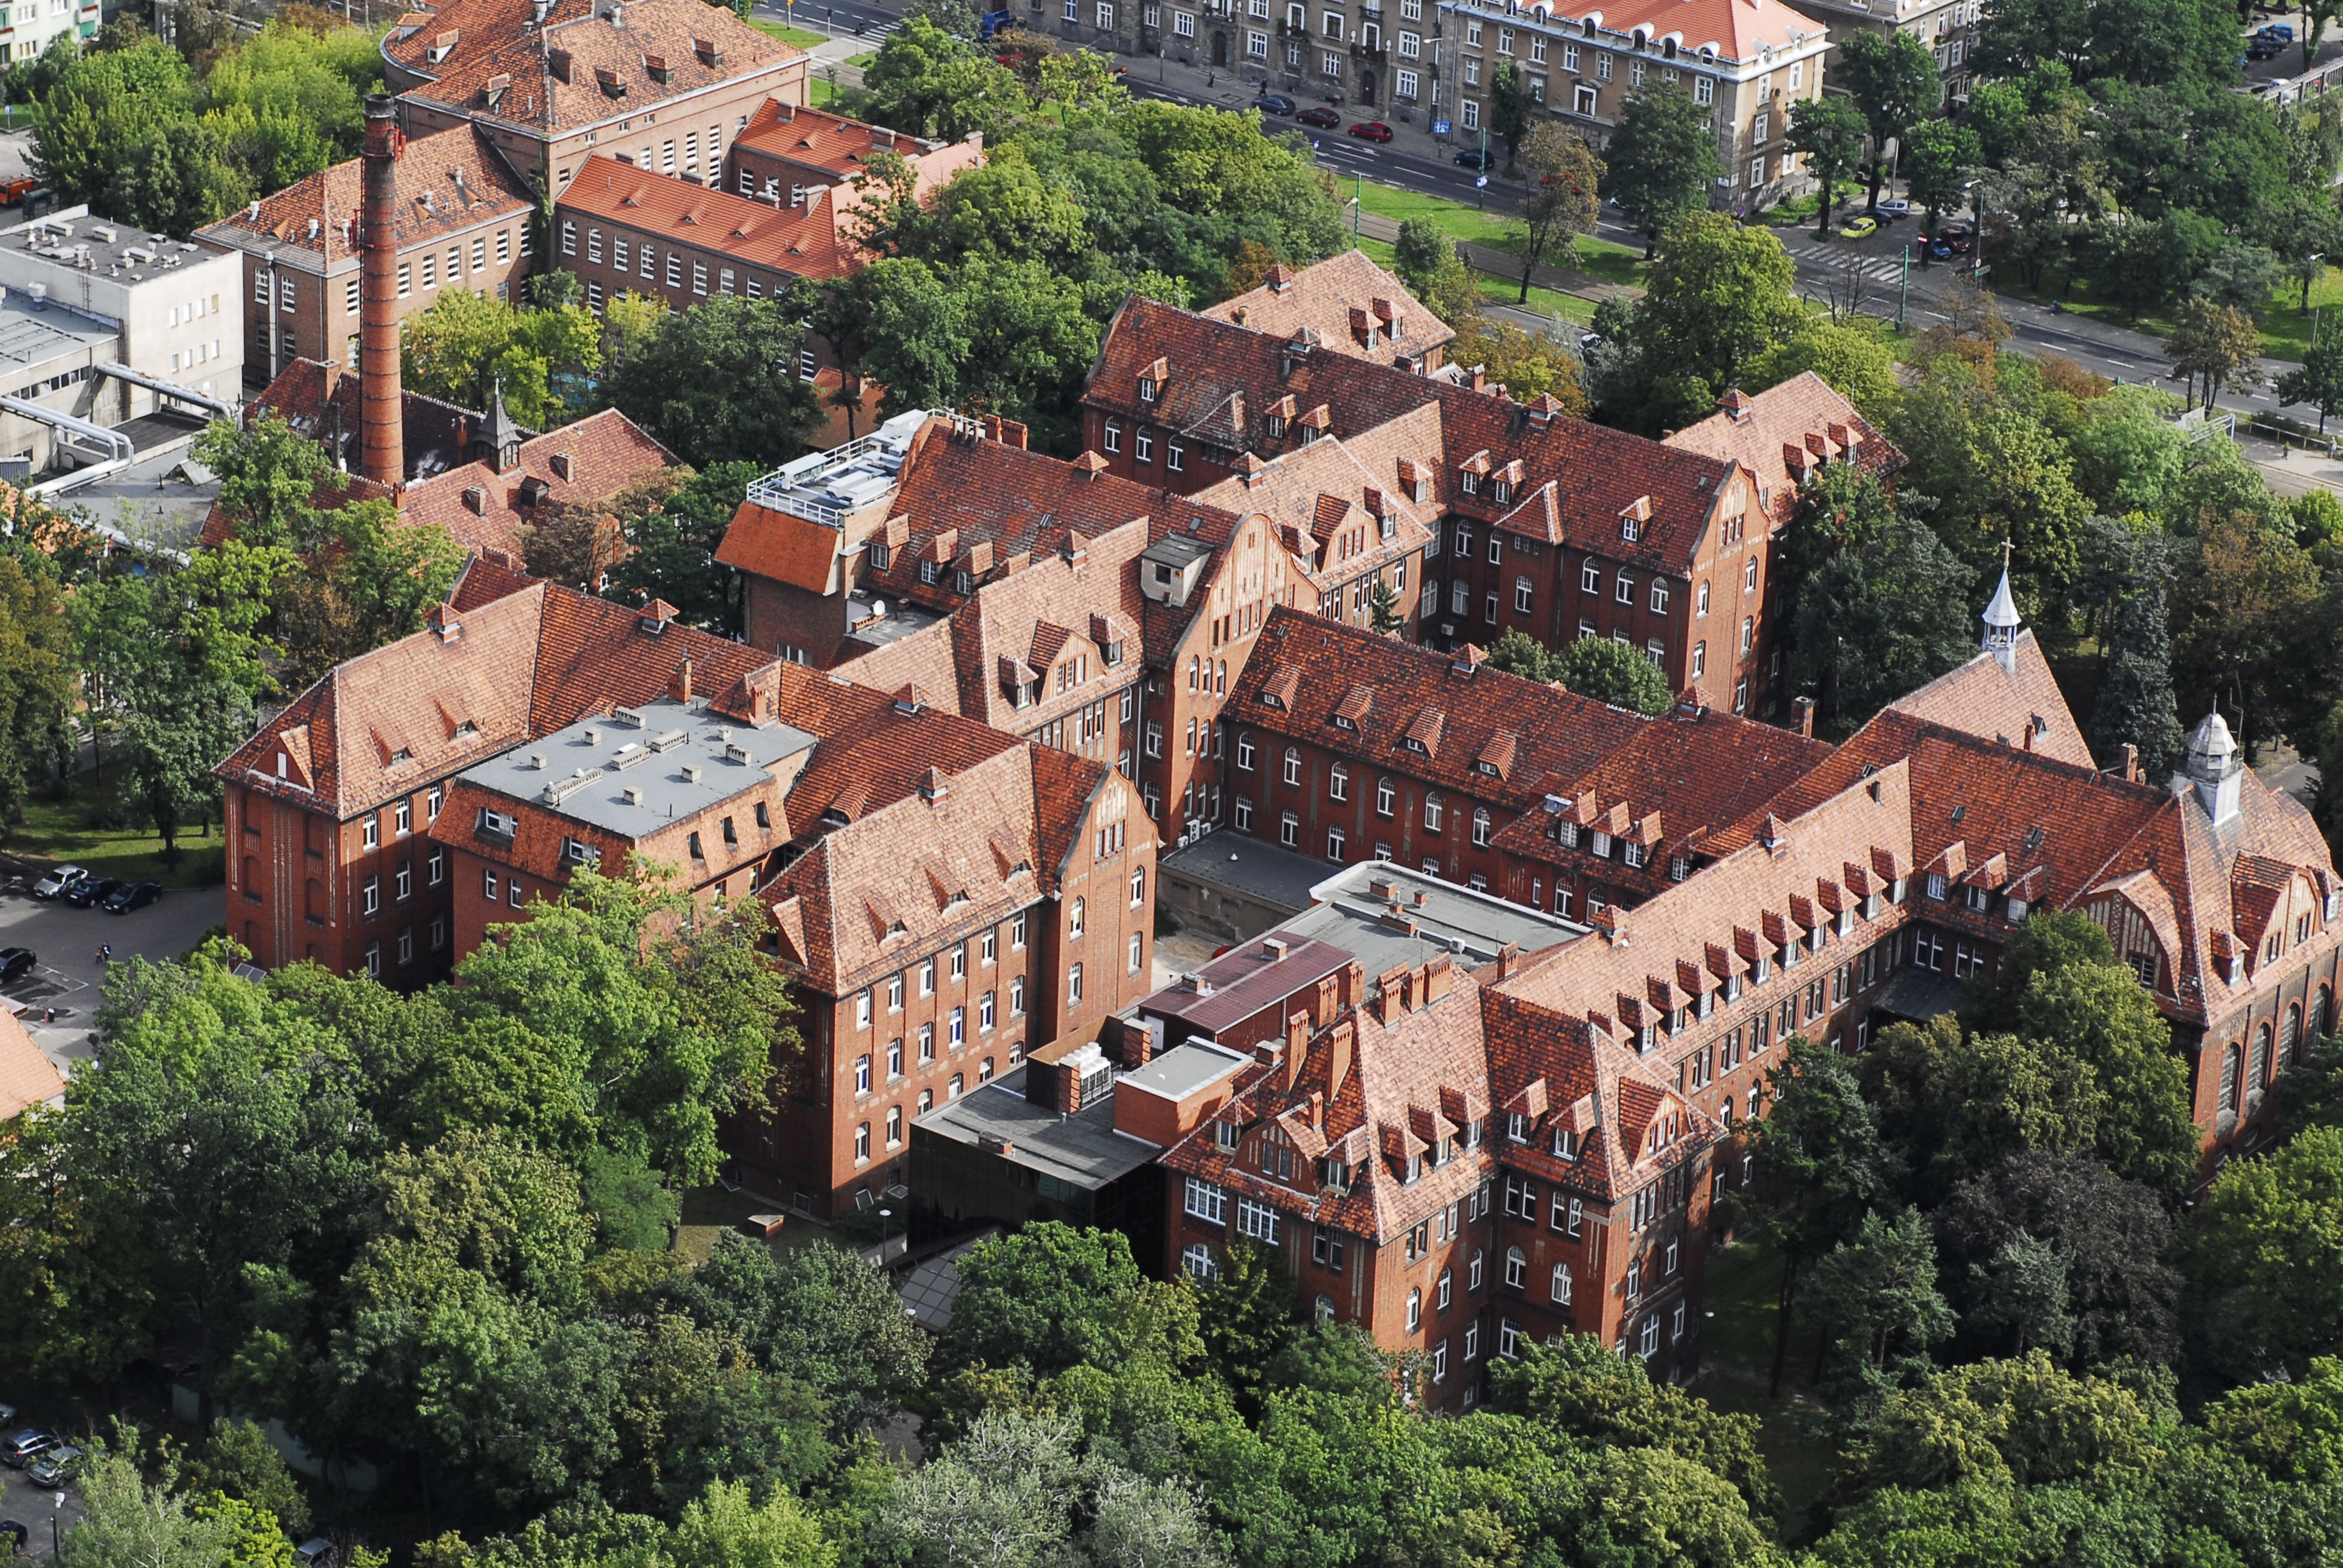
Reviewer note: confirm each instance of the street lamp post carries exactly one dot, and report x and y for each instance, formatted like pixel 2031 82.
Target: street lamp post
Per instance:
pixel 56 1529
pixel 885 1216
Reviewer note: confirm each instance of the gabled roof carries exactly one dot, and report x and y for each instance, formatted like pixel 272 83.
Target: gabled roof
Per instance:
pixel 1754 430
pixel 797 135
pixel 1739 30
pixel 449 181
pixel 27 1078
pixel 592 461
pixel 321 401
pixel 496 64
pixel 1341 298
pixel 1321 490
pixel 803 241
pixel 1321 662
pixel 2022 706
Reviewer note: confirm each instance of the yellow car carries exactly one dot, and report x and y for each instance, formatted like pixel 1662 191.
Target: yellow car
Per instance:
pixel 1860 227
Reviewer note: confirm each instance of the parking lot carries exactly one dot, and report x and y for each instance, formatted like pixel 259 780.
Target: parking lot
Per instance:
pixel 69 974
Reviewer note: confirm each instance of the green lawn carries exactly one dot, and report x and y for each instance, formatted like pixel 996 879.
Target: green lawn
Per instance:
pixel 2286 330
pixel 1457 219
pixel 803 37
pixel 1500 289
pixel 709 1212
pixel 76 829
pixel 1737 1367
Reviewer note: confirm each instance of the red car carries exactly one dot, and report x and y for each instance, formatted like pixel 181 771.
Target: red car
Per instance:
pixel 1371 131
pixel 1324 119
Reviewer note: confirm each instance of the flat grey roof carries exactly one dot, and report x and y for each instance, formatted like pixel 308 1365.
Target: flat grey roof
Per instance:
pixel 900 621
pixel 1184 1068
pixel 581 772
pixel 1083 1148
pixel 1243 863
pixel 31 338
pixel 1469 926
pixel 1176 551
pixel 1244 981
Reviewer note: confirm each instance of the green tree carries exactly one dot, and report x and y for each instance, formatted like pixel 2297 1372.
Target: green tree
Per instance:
pixel 1853 357
pixel 727 1528
pixel 175 181
pixel 1588 1390
pixel 2242 276
pixel 129 1523
pixel 1885 616
pixel 2216 343
pixel 670 525
pixel 1560 173
pixel 1660 160
pixel 820 1317
pixel 1509 110
pixel 1828 132
pixel 1516 652
pixel 1385 618
pixel 930 83
pixel 2319 380
pixel 1937 153
pixel 468 350
pixel 1247 1312
pixel 1892 81
pixel 103 108
pixel 37 683
pixel 2007 1423
pixel 1817 1167
pixel 1611 672
pixel 1718 294
pixel 1052 1297
pixel 1956 1105
pixel 237 1459
pixel 718 383
pixel 2267 1249
pixel 2292 1429
pixel 1875 1294
pixel 2136 704
pixel 2112 1242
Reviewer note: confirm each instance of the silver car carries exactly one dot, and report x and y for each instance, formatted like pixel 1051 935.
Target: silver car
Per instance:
pixel 21 1447
pixel 58 880
pixel 55 1468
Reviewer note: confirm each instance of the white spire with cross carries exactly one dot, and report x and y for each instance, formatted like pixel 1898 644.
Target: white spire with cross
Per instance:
pixel 2001 619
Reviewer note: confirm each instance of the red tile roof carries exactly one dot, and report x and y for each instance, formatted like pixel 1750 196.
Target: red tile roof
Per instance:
pixel 1754 431
pixel 1354 306
pixel 449 181
pixel 2021 706
pixel 579 66
pixel 803 241
pixel 797 135
pixel 592 461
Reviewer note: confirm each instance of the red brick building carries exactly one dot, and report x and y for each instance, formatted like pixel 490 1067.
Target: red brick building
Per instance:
pixel 464 221
pixel 671 82
pixel 788 153
pixel 1541 522
pixel 1353 305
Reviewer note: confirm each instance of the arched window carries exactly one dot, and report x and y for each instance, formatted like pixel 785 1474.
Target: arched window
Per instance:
pixel 2229 1078
pixel 1195 671
pixel 1325 1311
pixel 1338 782
pixel 1293 766
pixel 1432 813
pixel 1415 1311
pixel 1386 798
pixel 1516 1265
pixel 1075 924
pixel 2321 1010
pixel 1480 826
pixel 2260 1080
pixel 1446 1288
pixel 1562 1284
pixel 2290 1043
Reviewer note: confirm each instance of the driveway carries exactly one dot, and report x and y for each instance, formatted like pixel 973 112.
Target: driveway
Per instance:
pixel 40 1512
pixel 70 974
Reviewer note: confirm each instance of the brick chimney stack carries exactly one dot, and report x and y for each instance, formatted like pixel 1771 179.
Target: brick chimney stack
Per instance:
pixel 383 449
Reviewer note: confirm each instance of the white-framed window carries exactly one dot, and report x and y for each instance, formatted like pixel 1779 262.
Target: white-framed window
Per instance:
pixel 1509 1338
pixel 1258 1220
pixel 1647 1343
pixel 1256 45
pixel 1703 90
pixel 1472 113
pixel 1659 596
pixel 1207 1200
pixel 1560 1285
pixel 1198 1258
pixel 1415 1311
pixel 1183 24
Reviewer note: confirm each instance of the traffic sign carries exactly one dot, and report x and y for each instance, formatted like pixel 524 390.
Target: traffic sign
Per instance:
pixel 1482 180
pixel 1439 127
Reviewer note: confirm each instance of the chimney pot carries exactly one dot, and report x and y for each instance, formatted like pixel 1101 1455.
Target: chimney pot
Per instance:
pixel 1802 716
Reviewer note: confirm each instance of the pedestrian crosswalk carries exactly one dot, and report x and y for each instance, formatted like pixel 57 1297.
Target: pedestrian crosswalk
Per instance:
pixel 1833 258
pixel 879 34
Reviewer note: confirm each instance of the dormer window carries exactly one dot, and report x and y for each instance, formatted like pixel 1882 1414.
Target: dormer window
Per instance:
pixel 1789 955
pixel 1567 1144
pixel 1764 971
pixel 1336 1175
pixel 880 554
pixel 1600 846
pixel 1415 1169
pixel 1277 426
pixel 1977 899
pixel 1631 855
pixel 1566 834
pixel 1731 988
pixel 962 582
pixel 1646 1038
pixel 1501 491
pixel 1468 481
pixel 1678 867
pixel 1629 529
pixel 927 573
pixel 1226 1134
pixel 1936 885
pixel 1517 1127
pixel 1148 388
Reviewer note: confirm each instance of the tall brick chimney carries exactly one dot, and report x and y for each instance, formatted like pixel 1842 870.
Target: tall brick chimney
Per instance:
pixel 383 444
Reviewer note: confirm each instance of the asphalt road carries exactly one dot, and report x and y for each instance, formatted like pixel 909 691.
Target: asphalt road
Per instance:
pixel 69 974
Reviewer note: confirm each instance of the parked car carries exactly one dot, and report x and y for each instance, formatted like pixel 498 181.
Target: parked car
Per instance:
pixel 1371 131
pixel 315 1552
pixel 131 896
pixel 1860 226
pixel 1320 115
pixel 55 1468
pixel 1893 207
pixel 15 963
pixel 2267 48
pixel 2281 31
pixel 16 190
pixel 1274 104
pixel 58 880
pixel 21 1447
pixel 1939 250
pixel 14 1530
pixel 91 891
pixel 1474 158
